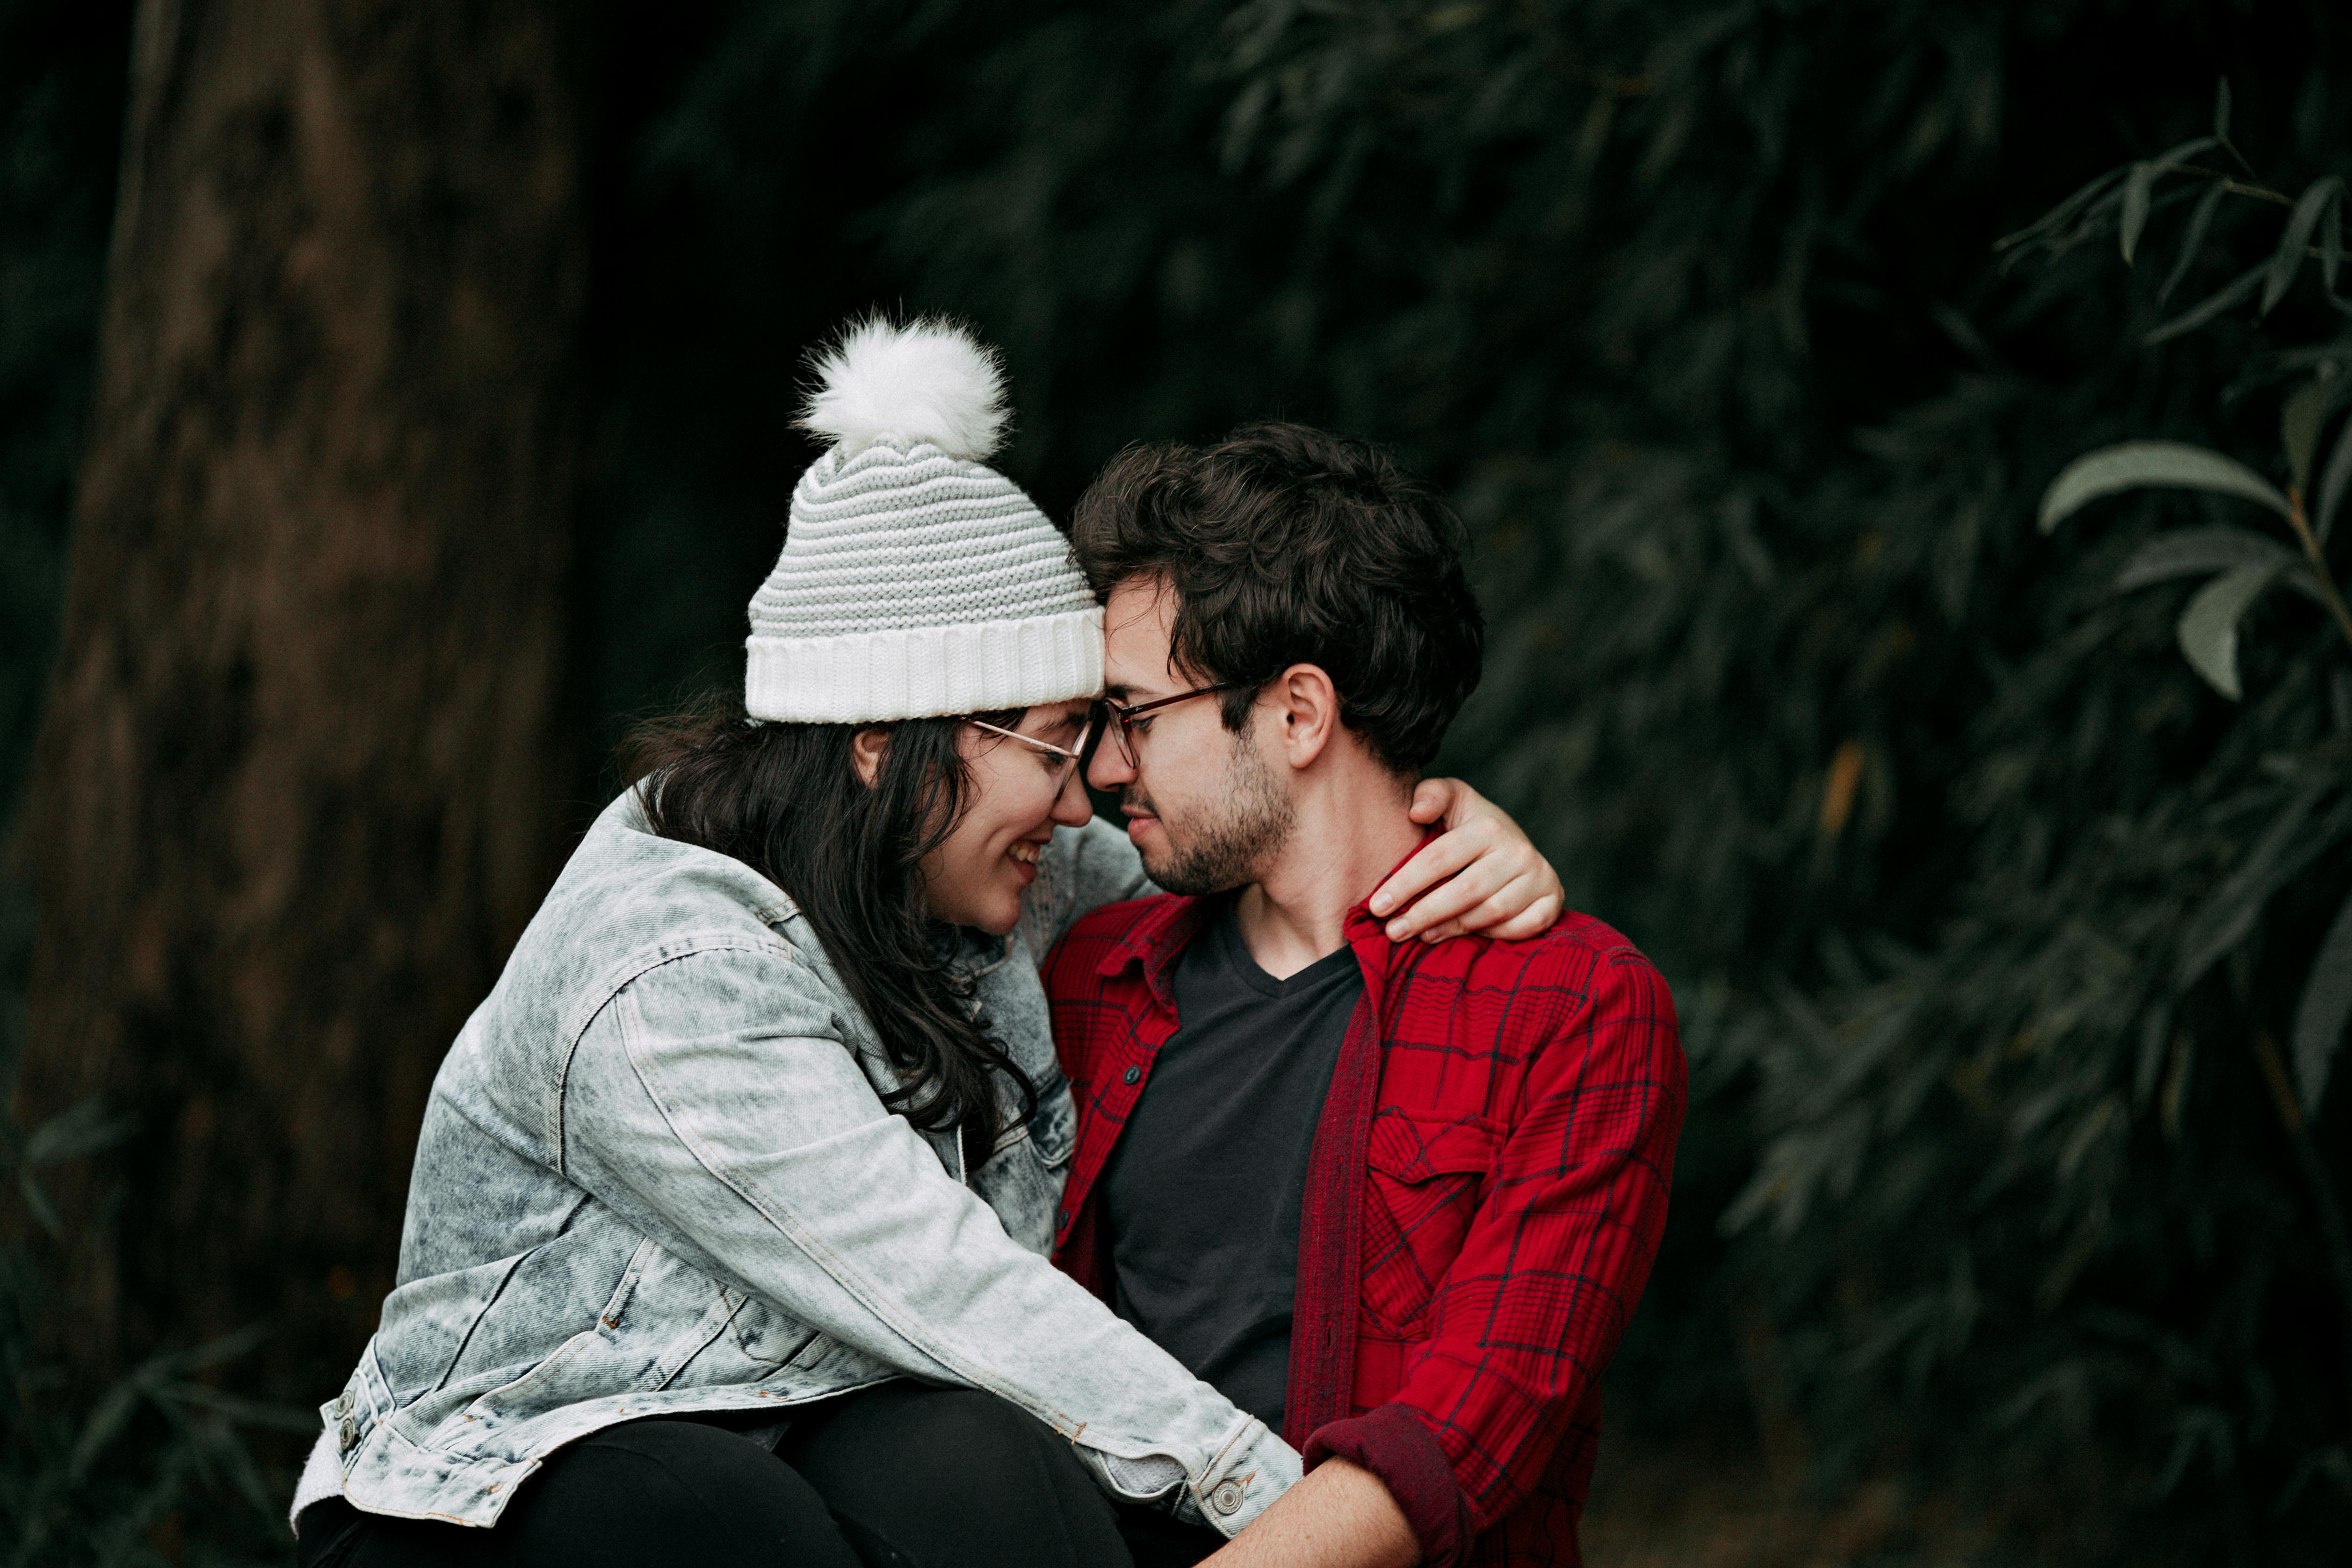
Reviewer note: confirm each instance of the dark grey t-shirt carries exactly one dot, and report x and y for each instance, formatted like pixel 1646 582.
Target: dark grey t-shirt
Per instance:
pixel 1204 1192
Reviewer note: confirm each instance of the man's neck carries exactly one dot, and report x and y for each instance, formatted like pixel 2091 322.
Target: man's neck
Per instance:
pixel 1347 834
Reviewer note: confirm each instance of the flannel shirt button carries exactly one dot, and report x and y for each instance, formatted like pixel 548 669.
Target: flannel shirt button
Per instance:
pixel 1131 1076
pixel 1227 1497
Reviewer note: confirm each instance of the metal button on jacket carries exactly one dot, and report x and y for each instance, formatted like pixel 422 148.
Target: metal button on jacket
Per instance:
pixel 1132 1073
pixel 1227 1497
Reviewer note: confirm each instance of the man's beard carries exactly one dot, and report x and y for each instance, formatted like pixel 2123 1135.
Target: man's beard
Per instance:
pixel 1230 846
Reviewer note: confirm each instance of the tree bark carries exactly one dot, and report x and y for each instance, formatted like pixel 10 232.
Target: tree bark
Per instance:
pixel 305 767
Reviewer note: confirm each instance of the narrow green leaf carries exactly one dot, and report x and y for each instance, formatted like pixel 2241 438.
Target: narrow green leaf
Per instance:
pixel 2299 419
pixel 2138 186
pixel 37 1200
pixel 2293 843
pixel 2199 221
pixel 2209 627
pixel 2331 246
pixel 2326 1007
pixel 2136 465
pixel 107 1420
pixel 83 1129
pixel 2222 109
pixel 2186 150
pixel 227 1347
pixel 2194 552
pixel 2064 212
pixel 2228 297
pixel 2295 241
pixel 2332 483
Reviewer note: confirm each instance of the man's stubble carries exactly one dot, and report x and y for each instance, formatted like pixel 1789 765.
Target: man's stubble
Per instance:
pixel 1216 847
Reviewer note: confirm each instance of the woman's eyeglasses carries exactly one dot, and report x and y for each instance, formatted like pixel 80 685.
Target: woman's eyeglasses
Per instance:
pixel 1123 722
pixel 1064 760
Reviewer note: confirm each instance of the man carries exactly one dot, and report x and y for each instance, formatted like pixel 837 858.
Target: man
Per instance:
pixel 1397 1199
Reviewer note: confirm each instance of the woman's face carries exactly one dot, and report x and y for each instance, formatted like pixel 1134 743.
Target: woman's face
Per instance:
pixel 976 876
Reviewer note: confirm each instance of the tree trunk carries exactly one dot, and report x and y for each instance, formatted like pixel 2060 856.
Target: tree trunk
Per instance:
pixel 305 767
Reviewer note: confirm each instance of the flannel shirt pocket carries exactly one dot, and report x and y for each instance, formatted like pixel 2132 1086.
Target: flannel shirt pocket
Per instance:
pixel 1426 1177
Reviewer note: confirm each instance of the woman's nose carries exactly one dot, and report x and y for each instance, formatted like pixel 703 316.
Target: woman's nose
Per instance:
pixel 1109 769
pixel 1071 807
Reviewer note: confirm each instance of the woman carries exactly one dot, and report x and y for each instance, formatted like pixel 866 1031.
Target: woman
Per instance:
pixel 751 1155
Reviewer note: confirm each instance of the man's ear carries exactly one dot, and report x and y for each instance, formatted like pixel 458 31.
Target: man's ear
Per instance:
pixel 1309 705
pixel 867 747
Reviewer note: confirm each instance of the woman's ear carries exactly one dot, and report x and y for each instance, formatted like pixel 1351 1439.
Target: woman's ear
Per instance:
pixel 867 747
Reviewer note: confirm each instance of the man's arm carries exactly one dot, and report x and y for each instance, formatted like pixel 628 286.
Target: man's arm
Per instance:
pixel 1340 1516
pixel 1532 1305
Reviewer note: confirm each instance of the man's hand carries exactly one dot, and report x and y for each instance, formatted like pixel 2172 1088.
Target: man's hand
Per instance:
pixel 1501 887
pixel 1340 1516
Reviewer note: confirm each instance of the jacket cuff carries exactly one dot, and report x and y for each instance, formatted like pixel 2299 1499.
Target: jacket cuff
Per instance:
pixel 1241 1481
pixel 1392 1441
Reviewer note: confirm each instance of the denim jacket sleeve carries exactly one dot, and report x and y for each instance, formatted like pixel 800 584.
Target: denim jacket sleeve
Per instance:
pixel 713 1102
pixel 1084 868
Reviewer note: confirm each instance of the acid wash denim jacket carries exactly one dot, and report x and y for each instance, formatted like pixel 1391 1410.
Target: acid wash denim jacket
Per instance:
pixel 655 1177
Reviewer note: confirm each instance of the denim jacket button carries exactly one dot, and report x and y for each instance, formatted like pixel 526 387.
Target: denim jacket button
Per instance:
pixel 1131 1074
pixel 1227 1497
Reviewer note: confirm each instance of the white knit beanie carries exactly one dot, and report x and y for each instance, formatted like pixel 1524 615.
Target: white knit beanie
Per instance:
pixel 915 581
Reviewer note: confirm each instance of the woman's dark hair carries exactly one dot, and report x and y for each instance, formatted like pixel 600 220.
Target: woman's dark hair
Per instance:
pixel 1290 546
pixel 786 800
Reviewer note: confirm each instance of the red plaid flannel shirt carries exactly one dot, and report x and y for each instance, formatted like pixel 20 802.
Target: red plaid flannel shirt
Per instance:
pixel 1486 1194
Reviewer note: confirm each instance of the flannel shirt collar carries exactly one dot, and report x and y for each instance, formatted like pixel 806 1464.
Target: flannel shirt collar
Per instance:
pixel 1160 937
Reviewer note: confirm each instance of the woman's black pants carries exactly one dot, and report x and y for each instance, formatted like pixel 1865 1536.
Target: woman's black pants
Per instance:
pixel 899 1475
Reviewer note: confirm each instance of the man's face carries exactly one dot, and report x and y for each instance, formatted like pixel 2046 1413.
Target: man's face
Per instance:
pixel 1205 809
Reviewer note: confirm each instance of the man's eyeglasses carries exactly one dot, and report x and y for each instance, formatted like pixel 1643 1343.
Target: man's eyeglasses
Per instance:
pixel 1126 723
pixel 1060 761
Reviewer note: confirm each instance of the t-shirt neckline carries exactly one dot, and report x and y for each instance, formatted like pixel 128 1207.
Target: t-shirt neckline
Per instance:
pixel 1227 929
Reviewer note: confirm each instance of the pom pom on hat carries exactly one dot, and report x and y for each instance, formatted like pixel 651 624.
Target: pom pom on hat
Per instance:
pixel 927 380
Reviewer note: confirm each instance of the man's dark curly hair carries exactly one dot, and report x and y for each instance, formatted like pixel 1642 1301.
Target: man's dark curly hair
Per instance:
pixel 1288 545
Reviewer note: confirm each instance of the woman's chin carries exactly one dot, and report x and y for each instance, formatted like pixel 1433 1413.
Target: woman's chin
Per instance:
pixel 996 912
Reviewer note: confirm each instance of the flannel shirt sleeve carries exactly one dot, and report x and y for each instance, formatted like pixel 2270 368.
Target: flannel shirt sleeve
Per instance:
pixel 1549 1271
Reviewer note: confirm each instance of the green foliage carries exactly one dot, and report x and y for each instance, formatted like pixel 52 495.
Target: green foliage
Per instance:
pixel 155 1470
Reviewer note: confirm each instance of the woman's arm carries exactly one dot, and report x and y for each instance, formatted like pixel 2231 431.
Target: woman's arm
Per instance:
pixel 712 1104
pixel 1499 884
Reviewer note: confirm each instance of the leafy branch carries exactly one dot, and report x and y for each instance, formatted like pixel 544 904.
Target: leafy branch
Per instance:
pixel 2240 566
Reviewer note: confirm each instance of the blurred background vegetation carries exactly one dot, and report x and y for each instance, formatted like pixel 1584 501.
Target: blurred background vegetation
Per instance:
pixel 2008 1221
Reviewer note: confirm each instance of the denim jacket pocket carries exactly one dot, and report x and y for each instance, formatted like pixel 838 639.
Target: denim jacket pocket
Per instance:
pixel 1425 1181
pixel 768 1338
pixel 1022 1181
